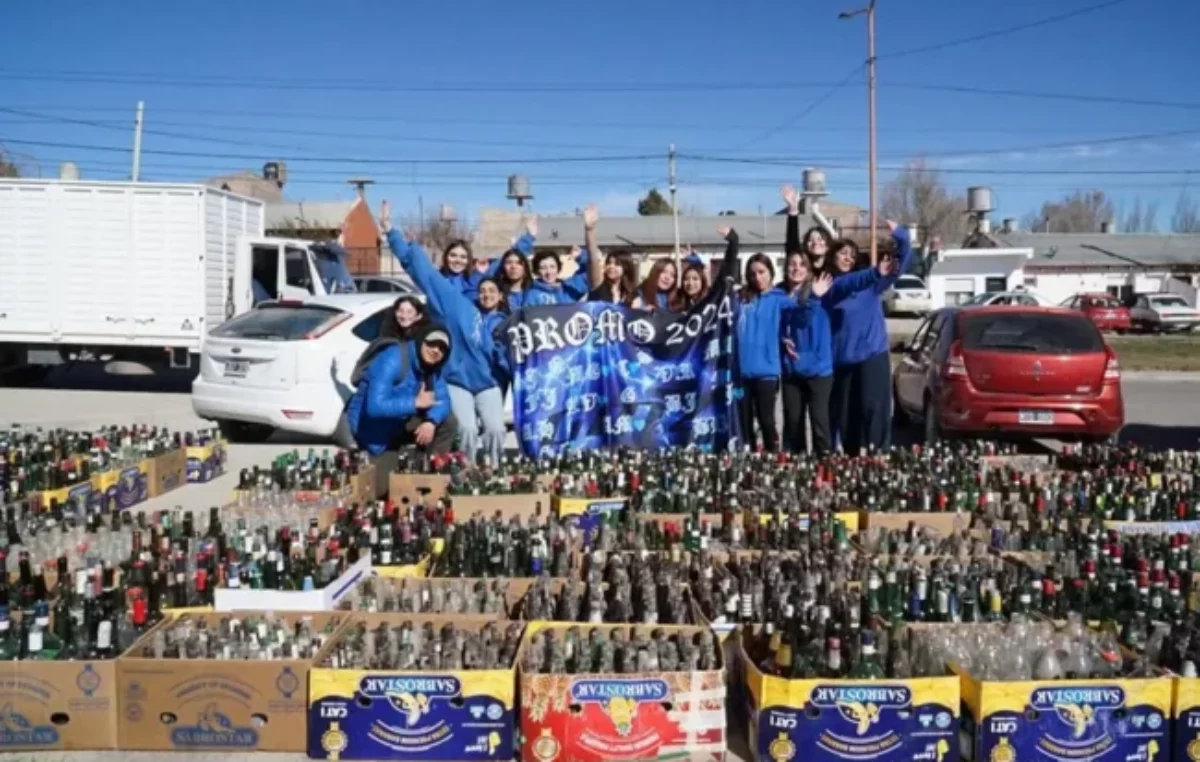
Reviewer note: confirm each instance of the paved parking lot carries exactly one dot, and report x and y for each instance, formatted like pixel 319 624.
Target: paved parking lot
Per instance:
pixel 1161 412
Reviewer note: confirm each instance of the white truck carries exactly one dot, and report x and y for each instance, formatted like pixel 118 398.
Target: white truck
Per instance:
pixel 100 271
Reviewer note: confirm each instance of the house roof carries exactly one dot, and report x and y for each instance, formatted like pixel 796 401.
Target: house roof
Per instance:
pixel 980 264
pixel 1105 249
pixel 321 215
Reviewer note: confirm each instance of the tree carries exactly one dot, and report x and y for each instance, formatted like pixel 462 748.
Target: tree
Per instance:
pixel 918 195
pixel 1186 218
pixel 653 204
pixel 1079 212
pixel 1141 218
pixel 7 167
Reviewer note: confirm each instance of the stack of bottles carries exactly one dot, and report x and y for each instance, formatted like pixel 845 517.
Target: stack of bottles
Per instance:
pixel 619 650
pixel 397 643
pixel 433 596
pixel 328 473
pixel 617 589
pixel 239 637
pixel 494 547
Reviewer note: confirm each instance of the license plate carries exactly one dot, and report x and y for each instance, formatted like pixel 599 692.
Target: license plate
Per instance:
pixel 237 368
pixel 1110 315
pixel 1037 417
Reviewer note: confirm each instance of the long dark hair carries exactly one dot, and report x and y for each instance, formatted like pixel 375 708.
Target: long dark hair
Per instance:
pixel 457 243
pixel 748 291
pixel 860 260
pixel 687 302
pixel 628 281
pixel 503 305
pixel 390 329
pixel 506 286
pixel 820 232
pixel 787 285
pixel 648 290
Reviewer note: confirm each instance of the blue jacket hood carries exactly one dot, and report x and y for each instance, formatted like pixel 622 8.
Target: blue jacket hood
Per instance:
pixel 758 331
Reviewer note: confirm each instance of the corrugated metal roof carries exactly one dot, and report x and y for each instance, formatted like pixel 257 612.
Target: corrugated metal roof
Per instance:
pixel 981 264
pixel 1106 249
pixel 325 215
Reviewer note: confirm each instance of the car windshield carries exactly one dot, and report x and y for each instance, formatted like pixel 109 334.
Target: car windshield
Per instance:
pixel 1034 332
pixel 908 281
pixel 277 322
pixel 331 266
pixel 978 299
pixel 1103 302
pixel 1169 301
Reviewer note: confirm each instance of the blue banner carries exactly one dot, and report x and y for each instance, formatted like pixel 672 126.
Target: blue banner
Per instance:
pixel 598 375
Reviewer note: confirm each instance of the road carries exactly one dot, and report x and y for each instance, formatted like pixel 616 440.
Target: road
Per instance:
pixel 1159 413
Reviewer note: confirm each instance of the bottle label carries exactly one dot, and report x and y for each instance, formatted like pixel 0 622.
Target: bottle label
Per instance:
pixel 35 640
pixel 104 635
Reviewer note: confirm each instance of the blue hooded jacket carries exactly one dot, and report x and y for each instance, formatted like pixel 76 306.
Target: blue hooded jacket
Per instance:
pixel 470 363
pixel 468 283
pixel 499 354
pixel 857 322
pixel 379 407
pixel 758 332
pixel 808 325
pixel 572 289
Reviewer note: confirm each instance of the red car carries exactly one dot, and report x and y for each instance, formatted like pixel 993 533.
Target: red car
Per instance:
pixel 1102 309
pixel 994 371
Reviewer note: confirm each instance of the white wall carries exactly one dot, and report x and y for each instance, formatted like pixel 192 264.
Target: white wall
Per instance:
pixel 940 285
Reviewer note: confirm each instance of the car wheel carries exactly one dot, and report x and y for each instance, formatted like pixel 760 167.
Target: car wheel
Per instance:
pixel 933 431
pixel 241 432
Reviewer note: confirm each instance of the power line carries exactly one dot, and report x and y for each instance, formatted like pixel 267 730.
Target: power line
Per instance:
pixel 806 110
pixel 794 162
pixel 1004 31
pixel 1015 93
pixel 342 160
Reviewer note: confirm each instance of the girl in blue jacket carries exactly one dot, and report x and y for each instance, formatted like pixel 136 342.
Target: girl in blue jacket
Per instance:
pixel 400 395
pixel 463 271
pixel 861 404
pixel 475 394
pixel 514 278
pixel 547 289
pixel 659 290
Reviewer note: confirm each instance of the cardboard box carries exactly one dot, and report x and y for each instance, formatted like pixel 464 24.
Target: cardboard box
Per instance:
pixel 848 519
pixel 127 486
pixel 839 720
pixel 1185 711
pixel 1069 719
pixel 362 488
pixel 324 599
pixel 409 485
pixel 167 472
pixel 942 522
pixel 205 463
pixel 521 506
pixel 358 714
pixel 654 715
pixel 202 704
pixel 80 494
pixel 587 513
pixel 58 705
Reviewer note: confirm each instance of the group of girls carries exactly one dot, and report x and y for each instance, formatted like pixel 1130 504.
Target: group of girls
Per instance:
pixel 820 334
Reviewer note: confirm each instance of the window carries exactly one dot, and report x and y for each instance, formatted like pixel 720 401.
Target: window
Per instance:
pixel 278 322
pixel 1143 303
pixel 919 337
pixel 376 286
pixel 295 269
pixel 910 282
pixel 1025 300
pixel 1035 332
pixel 264 271
pixel 1167 301
pixel 368 329
pixel 930 340
pixel 959 291
pixel 995 285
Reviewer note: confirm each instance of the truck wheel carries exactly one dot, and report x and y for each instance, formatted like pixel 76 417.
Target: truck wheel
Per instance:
pixel 240 432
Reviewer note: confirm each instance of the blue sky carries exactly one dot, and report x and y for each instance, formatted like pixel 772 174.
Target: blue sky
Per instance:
pixel 399 83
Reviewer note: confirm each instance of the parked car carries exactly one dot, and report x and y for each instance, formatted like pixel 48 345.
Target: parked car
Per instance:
pixel 285 365
pixel 383 284
pixel 1023 371
pixel 1163 312
pixel 1007 299
pixel 1102 309
pixel 909 296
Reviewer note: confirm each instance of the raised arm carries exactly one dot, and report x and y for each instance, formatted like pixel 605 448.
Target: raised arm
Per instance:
pixel 382 399
pixel 596 263
pixel 577 285
pixel 901 259
pixel 442 297
pixel 524 244
pixel 729 264
pixel 792 198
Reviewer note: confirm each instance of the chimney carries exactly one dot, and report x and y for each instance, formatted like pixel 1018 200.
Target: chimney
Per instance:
pixel 360 187
pixel 1009 225
pixel 1106 226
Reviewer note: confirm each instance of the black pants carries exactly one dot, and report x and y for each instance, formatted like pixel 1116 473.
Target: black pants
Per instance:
pixel 758 404
pixel 861 404
pixel 807 397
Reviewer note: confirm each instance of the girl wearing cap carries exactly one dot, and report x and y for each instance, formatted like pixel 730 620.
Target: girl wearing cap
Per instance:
pixel 400 395
pixel 471 373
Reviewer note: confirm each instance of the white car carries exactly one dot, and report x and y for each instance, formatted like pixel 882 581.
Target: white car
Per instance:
pixel 285 365
pixel 1006 299
pixel 384 284
pixel 1163 312
pixel 909 295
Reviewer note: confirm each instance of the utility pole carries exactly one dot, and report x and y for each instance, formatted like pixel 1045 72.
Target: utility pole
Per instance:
pixel 137 140
pixel 674 204
pixel 869 11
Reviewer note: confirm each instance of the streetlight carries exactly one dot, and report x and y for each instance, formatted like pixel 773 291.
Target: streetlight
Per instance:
pixel 869 11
